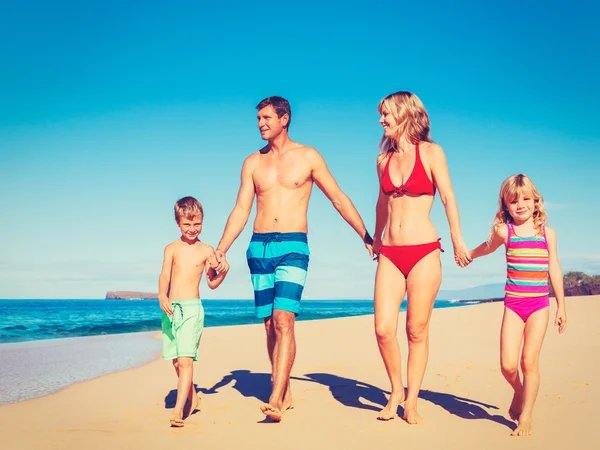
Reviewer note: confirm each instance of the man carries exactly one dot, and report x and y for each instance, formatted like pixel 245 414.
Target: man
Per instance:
pixel 281 175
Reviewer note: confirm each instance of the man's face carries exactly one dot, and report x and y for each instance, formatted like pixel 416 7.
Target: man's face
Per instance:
pixel 269 125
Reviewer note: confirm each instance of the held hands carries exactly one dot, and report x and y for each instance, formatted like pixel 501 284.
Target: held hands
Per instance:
pixel 165 304
pixel 561 320
pixel 212 262
pixel 368 240
pixel 376 249
pixel 462 255
pixel 222 264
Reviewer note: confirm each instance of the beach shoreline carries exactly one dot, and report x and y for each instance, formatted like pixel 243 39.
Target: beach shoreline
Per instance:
pixel 339 385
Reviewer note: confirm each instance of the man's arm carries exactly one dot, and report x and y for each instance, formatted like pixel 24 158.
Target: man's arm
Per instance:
pixel 164 279
pixel 341 202
pixel 241 211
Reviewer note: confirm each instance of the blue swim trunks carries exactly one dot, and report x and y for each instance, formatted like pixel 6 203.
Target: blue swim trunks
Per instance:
pixel 278 263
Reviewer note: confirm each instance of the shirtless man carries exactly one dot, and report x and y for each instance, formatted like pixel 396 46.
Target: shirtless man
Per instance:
pixel 282 175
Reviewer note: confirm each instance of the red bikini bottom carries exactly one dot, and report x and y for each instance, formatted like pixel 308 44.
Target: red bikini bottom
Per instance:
pixel 405 257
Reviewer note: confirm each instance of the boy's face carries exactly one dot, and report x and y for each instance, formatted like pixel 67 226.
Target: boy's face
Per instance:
pixel 190 228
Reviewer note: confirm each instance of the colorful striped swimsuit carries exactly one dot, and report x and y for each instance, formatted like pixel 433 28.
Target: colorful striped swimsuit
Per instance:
pixel 527 261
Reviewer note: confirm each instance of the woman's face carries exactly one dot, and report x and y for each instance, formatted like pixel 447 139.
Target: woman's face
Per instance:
pixel 388 122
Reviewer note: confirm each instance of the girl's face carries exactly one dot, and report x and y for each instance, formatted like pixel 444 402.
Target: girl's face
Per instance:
pixel 521 208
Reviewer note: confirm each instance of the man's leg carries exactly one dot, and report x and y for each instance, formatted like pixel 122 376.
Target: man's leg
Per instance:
pixel 270 331
pixel 284 354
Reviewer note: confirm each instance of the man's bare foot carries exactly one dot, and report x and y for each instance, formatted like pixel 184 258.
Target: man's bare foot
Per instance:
pixel 411 416
pixel 524 428
pixel 271 412
pixel 176 420
pixel 287 401
pixel 389 412
pixel 515 407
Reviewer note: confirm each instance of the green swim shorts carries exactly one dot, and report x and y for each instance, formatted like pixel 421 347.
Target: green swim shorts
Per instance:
pixel 182 331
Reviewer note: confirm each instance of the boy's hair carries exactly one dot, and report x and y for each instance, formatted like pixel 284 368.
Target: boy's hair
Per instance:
pixel 279 104
pixel 412 119
pixel 189 208
pixel 510 190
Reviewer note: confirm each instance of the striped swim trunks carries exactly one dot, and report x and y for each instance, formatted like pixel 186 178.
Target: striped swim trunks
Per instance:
pixel 278 263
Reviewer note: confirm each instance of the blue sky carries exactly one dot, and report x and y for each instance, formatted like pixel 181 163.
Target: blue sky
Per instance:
pixel 109 112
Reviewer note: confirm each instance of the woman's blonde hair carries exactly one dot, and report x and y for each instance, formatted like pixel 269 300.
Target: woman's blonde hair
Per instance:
pixel 510 190
pixel 412 118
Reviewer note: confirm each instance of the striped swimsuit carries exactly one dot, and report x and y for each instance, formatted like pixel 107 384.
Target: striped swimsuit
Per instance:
pixel 526 273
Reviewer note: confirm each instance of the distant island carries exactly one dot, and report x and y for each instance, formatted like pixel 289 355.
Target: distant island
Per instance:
pixel 130 295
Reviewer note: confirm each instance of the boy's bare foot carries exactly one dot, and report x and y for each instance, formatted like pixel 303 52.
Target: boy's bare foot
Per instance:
pixel 176 420
pixel 524 428
pixel 515 407
pixel 389 412
pixel 271 412
pixel 194 402
pixel 411 416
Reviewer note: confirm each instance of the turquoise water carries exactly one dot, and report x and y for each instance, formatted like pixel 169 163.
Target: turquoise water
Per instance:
pixel 47 345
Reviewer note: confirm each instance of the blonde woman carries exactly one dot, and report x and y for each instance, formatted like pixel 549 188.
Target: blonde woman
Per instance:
pixel 410 168
pixel 531 258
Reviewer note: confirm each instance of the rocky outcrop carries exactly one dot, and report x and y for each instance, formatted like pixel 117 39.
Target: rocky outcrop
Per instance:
pixel 130 295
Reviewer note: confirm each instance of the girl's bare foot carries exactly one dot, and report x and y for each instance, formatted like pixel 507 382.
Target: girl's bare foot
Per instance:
pixel 287 401
pixel 271 412
pixel 515 407
pixel 390 410
pixel 524 428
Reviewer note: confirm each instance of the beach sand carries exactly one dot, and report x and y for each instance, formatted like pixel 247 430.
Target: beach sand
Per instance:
pixel 339 385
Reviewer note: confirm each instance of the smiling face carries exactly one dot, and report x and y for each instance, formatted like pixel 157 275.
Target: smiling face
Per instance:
pixel 270 124
pixel 522 207
pixel 388 122
pixel 190 227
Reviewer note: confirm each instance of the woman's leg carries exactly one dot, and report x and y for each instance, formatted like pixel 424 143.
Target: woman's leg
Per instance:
pixel 423 285
pixel 390 286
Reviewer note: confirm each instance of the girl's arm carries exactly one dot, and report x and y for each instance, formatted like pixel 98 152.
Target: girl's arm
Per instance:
pixel 556 278
pixel 213 278
pixel 499 237
pixel 441 178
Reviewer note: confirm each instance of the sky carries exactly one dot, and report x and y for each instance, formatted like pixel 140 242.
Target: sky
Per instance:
pixel 111 111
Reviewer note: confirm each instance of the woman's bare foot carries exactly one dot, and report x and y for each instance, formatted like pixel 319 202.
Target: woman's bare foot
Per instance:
pixel 411 416
pixel 515 407
pixel 271 412
pixel 390 410
pixel 176 420
pixel 524 428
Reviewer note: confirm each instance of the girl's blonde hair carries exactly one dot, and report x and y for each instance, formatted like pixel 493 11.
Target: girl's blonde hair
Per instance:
pixel 412 119
pixel 510 190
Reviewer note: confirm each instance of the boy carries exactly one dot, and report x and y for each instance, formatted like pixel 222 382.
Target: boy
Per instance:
pixel 179 297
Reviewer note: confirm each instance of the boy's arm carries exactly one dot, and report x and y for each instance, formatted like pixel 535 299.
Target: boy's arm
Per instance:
pixel 499 237
pixel 213 278
pixel 341 202
pixel 556 278
pixel 241 211
pixel 164 279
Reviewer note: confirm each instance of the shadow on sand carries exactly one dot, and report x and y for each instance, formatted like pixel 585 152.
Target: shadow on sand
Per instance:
pixel 352 393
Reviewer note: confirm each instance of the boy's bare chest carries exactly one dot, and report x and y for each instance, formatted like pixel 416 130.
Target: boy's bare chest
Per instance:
pixel 189 259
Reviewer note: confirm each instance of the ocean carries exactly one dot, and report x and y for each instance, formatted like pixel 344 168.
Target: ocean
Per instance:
pixel 47 345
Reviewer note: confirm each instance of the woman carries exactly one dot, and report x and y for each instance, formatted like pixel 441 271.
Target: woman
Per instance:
pixel 410 169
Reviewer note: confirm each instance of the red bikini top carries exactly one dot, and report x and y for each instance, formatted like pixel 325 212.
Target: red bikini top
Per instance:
pixel 417 184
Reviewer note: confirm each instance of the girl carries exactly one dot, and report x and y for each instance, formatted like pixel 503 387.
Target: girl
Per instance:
pixel 531 256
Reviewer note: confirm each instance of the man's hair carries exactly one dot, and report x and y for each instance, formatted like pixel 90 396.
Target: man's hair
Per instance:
pixel 189 208
pixel 279 104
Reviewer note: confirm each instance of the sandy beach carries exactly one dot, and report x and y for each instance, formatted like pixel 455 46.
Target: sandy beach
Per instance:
pixel 339 384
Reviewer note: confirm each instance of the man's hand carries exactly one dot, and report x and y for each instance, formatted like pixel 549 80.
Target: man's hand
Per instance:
pixel 165 304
